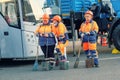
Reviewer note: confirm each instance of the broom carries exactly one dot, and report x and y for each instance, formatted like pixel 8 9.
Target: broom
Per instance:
pixel 77 59
pixel 36 65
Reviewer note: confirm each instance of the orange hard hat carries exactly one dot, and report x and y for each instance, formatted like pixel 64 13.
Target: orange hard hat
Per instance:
pixel 57 18
pixel 89 12
pixel 45 16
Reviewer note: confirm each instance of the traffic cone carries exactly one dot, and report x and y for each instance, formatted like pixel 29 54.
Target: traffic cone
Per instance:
pixel 104 41
pixel 115 51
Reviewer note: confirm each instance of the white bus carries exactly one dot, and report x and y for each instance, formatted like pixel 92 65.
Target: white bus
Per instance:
pixel 17 24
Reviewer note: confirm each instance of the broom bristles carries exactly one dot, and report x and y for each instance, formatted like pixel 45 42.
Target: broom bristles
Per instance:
pixel 36 65
pixel 76 63
pixel 77 59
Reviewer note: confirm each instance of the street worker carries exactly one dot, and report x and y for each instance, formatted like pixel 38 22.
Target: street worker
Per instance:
pixel 62 37
pixel 88 32
pixel 46 37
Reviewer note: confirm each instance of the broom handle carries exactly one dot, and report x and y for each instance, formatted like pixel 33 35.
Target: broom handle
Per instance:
pixel 79 50
pixel 37 52
pixel 37 45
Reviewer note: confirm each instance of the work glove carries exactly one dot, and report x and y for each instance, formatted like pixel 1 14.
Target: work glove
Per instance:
pixel 87 33
pixel 82 35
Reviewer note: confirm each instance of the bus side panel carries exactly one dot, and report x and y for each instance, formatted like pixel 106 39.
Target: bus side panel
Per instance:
pixel 30 43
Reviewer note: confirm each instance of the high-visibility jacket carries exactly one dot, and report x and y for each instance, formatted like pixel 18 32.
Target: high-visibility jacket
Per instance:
pixel 46 29
pixel 92 28
pixel 61 33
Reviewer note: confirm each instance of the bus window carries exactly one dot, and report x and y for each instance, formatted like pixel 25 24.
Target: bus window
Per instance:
pixel 9 11
pixel 28 14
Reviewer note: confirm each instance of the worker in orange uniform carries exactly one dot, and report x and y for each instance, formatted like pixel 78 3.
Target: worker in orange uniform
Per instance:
pixel 61 33
pixel 88 32
pixel 46 37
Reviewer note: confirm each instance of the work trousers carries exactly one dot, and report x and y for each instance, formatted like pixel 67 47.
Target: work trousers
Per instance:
pixel 48 51
pixel 90 51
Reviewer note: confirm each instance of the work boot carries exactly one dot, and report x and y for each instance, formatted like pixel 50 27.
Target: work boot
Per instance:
pixel 52 65
pixel 96 65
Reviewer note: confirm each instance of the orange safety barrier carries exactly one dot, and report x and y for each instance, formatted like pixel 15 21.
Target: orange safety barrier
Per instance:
pixel 104 41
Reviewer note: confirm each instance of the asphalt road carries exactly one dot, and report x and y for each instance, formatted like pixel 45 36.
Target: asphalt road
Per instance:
pixel 109 70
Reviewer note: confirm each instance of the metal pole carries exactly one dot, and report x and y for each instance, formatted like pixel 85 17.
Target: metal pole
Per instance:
pixel 74 52
pixel 73 32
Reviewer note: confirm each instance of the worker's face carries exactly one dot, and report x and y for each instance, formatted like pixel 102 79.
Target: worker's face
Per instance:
pixel 55 23
pixel 45 21
pixel 88 17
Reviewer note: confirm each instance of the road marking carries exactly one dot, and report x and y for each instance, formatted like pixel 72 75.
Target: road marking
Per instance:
pixel 110 58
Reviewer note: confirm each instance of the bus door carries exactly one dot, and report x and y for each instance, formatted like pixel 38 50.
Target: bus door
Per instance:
pixel 10 30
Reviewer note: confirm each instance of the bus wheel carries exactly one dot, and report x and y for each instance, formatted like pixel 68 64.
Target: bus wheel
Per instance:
pixel 116 37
